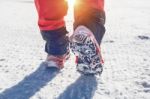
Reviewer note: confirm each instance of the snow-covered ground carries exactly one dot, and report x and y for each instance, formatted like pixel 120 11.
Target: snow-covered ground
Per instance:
pixel 126 50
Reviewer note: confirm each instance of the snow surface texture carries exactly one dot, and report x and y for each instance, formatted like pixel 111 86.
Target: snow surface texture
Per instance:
pixel 126 50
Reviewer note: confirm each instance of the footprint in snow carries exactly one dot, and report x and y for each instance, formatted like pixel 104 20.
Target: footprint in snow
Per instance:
pixel 143 37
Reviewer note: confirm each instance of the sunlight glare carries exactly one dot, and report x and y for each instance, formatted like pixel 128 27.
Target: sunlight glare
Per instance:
pixel 71 2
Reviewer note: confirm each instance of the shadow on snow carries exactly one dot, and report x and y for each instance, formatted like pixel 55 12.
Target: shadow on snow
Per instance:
pixel 30 84
pixel 83 88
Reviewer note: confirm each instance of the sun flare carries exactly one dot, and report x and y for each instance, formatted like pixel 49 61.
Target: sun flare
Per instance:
pixel 71 2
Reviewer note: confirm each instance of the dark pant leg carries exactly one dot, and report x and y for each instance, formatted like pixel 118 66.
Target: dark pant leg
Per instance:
pixel 51 23
pixel 90 13
pixel 57 41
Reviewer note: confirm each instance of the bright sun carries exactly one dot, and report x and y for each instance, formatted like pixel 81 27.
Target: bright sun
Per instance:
pixel 71 2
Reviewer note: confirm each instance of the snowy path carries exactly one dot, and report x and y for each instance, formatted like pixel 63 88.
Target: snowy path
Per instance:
pixel 126 49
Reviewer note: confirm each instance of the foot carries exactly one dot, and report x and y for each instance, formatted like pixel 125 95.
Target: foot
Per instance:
pixel 56 61
pixel 87 51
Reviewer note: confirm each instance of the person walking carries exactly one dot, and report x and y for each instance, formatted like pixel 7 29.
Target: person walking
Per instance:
pixel 89 29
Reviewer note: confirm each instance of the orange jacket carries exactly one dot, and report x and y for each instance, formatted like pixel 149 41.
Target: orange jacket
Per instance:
pixel 51 12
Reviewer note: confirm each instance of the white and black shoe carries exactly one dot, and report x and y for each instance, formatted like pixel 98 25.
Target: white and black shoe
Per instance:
pixel 87 51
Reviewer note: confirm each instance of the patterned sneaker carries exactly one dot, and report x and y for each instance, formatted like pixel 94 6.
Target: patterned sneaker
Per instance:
pixel 56 61
pixel 87 50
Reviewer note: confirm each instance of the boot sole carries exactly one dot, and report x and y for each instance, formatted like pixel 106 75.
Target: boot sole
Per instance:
pixel 87 51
